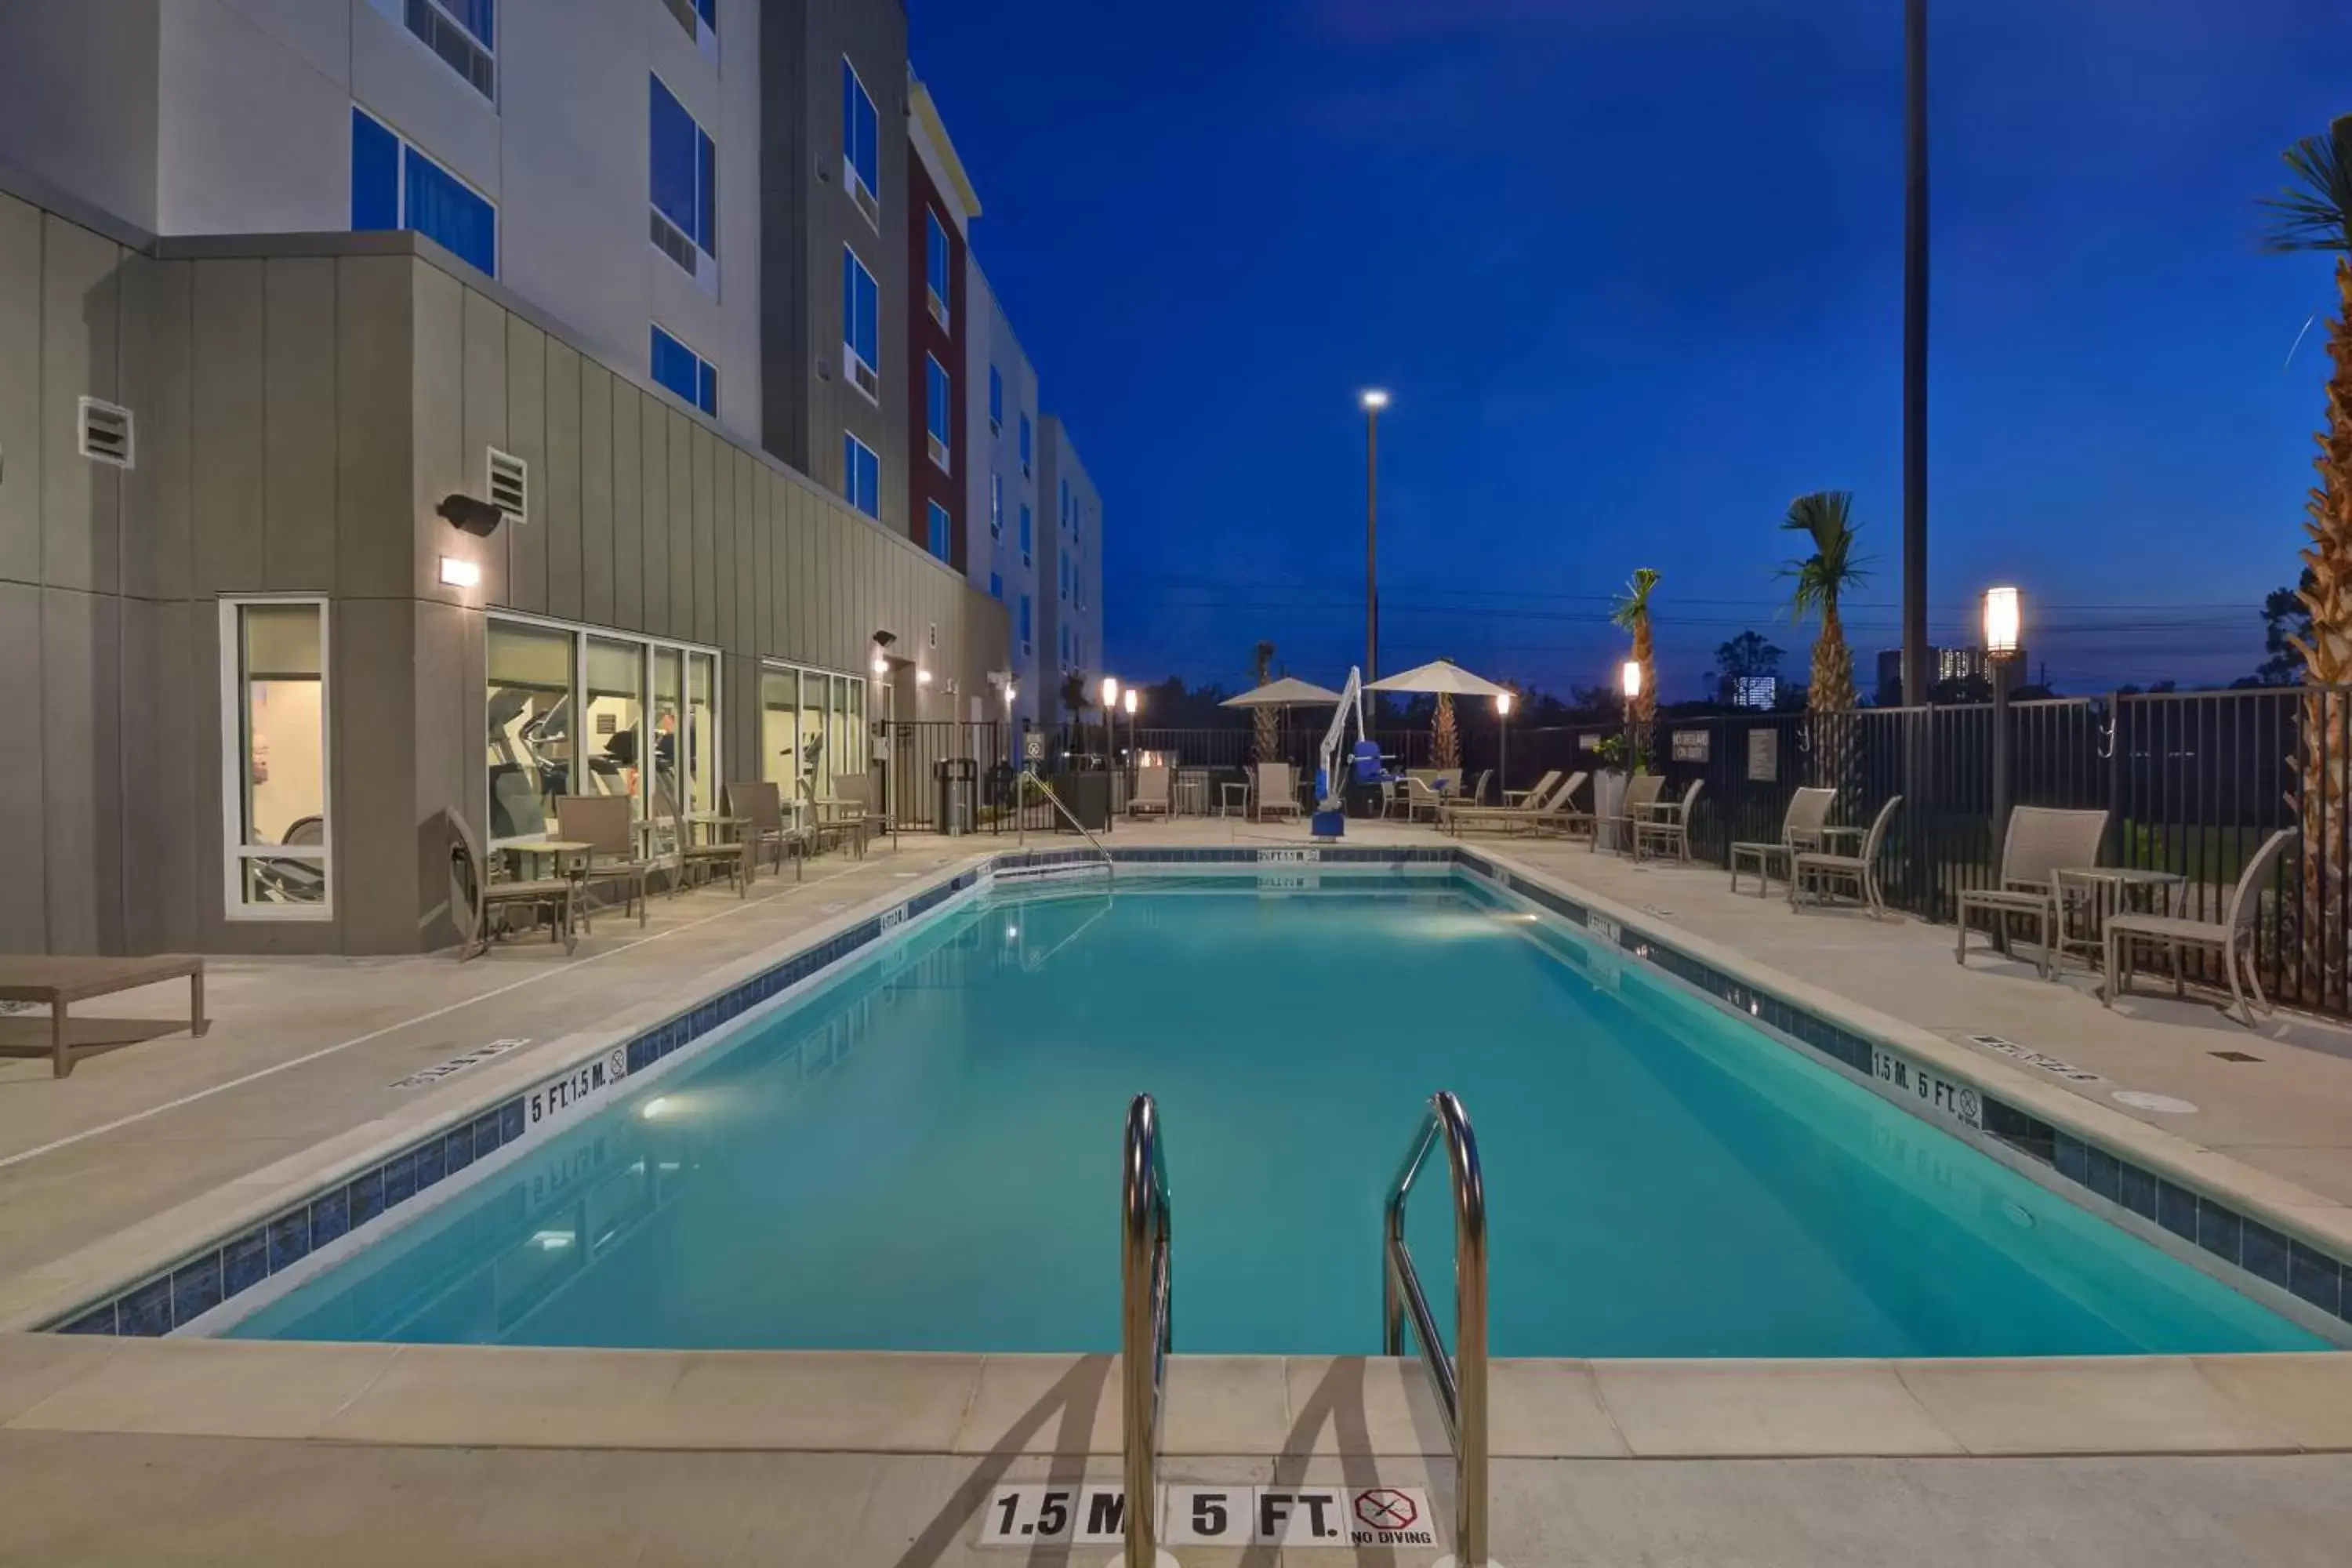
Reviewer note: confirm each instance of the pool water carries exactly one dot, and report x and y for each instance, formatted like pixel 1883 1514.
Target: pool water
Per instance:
pixel 926 1155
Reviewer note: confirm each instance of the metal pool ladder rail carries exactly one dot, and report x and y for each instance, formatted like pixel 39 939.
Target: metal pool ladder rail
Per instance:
pixel 1147 1317
pixel 1461 1380
pixel 1047 789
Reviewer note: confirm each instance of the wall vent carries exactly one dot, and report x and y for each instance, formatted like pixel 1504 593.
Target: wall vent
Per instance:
pixel 510 485
pixel 106 432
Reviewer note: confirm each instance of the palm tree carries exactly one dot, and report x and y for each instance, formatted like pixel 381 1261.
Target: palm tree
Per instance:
pixel 1444 734
pixel 1265 722
pixel 1825 517
pixel 1632 614
pixel 2315 213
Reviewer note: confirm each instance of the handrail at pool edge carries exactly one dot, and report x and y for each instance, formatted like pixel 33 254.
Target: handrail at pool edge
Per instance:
pixel 1460 1380
pixel 1147 1323
pixel 1030 775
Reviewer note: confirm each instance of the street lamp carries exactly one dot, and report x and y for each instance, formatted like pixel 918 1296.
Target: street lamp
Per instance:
pixel 1629 681
pixel 2004 627
pixel 1503 743
pixel 1374 399
pixel 1131 700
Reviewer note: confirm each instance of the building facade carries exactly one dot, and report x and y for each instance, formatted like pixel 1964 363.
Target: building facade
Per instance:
pixel 1003 417
pixel 1069 565
pixel 941 207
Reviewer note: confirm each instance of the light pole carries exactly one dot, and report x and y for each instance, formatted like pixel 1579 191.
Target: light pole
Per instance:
pixel 1503 745
pixel 2004 616
pixel 1374 399
pixel 1629 681
pixel 1131 702
pixel 1914 355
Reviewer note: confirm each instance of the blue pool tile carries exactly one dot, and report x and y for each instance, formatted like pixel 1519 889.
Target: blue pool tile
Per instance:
pixel 641 1054
pixel 2074 1164
pixel 245 1261
pixel 2216 1229
pixel 432 1163
pixel 2263 1253
pixel 289 1239
pixel 485 1135
pixel 195 1288
pixel 457 1150
pixel 367 1196
pixel 98 1320
pixel 511 1121
pixel 2175 1210
pixel 2316 1277
pixel 399 1179
pixel 2105 1175
pixel 2136 1189
pixel 146 1312
pixel 330 1216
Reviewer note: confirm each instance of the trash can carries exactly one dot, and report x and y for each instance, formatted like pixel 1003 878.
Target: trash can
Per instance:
pixel 959 798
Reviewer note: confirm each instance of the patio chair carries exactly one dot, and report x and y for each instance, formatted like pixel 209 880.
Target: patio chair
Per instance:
pixel 1541 792
pixel 1476 793
pixel 1818 870
pixel 858 810
pixel 1424 799
pixel 734 857
pixel 762 805
pixel 603 823
pixel 1667 823
pixel 1394 800
pixel 831 818
pixel 2237 928
pixel 1641 792
pixel 473 897
pixel 1276 790
pixel 1155 786
pixel 2041 843
pixel 1808 814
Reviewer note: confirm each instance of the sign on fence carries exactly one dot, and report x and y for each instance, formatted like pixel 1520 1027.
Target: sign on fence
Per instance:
pixel 1763 755
pixel 1690 745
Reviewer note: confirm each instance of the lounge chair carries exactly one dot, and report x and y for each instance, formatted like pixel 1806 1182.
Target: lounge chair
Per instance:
pixel 2236 929
pixel 1818 870
pixel 762 805
pixel 2041 843
pixel 1809 812
pixel 1154 791
pixel 1667 823
pixel 1641 792
pixel 604 822
pixel 1476 793
pixel 1532 815
pixel 1276 790
pixel 473 897
pixel 1542 791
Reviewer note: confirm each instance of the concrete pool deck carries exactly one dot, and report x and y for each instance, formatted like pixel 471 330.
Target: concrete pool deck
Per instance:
pixel 105 1170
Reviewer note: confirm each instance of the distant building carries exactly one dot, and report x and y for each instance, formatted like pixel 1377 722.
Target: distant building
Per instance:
pixel 1069 562
pixel 1943 663
pixel 1000 422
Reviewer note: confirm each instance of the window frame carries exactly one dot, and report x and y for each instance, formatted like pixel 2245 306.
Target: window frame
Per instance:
pixel 648 649
pixel 236 758
pixel 939 404
pixel 872 206
pixel 398 12
pixel 996 505
pixel 938 529
pixel 938 268
pixel 706 373
pixel 995 400
pixel 1028 530
pixel 1026 444
pixel 851 359
pixel 405 150
pixel 849 476
pixel 705 272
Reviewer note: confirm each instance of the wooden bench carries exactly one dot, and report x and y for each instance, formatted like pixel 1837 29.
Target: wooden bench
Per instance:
pixel 60 982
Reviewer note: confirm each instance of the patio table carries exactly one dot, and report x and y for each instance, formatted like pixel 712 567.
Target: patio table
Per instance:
pixel 1190 796
pixel 2110 891
pixel 59 982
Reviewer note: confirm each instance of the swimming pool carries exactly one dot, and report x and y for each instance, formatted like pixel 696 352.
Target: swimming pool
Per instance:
pixel 924 1155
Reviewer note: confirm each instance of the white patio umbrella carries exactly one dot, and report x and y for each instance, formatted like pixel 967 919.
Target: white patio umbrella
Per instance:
pixel 1285 694
pixel 1439 675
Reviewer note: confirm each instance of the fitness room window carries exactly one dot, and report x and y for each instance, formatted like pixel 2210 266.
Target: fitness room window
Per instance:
pixel 812 727
pixel 274 745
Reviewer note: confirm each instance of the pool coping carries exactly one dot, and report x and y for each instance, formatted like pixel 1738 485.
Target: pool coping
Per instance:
pixel 149 1269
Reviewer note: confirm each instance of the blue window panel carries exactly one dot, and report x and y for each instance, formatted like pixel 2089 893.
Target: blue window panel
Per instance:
pixel 1024 620
pixel 861 129
pixel 996 586
pixel 995 398
pixel 686 372
pixel 937 387
pixel 442 209
pixel 375 176
pixel 684 173
pixel 1064 514
pixel 477 17
pixel 708 11
pixel 1024 443
pixel 861 310
pixel 996 506
pixel 941 527
pixel 936 259
pixel 1065 645
pixel 862 471
pixel 1024 530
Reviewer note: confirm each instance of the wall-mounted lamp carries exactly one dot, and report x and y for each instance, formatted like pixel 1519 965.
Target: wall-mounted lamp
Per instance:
pixel 456 574
pixel 479 517
pixel 922 677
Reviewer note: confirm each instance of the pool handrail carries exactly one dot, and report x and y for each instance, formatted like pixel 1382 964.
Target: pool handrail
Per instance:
pixel 1047 789
pixel 1460 1380
pixel 1147 1323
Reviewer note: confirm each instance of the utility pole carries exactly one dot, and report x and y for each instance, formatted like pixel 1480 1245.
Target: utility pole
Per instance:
pixel 1374 399
pixel 1915 356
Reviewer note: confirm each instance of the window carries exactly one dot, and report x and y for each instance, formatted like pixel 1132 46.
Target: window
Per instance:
pixel 996 506
pixel 686 372
pixel 861 326
pixel 936 263
pixel 811 730
pixel 995 400
pixel 861 476
pixel 861 145
pixel 939 397
pixel 996 586
pixel 701 20
pixel 274 753
pixel 1024 623
pixel 395 186
pixel 613 719
pixel 462 33
pixel 1064 514
pixel 530 717
pixel 943 527
pixel 1061 564
pixel 1066 644
pixel 685 188
pixel 1024 534
pixel 1024 445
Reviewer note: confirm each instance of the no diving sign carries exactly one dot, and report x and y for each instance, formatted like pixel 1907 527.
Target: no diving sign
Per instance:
pixel 1034 1514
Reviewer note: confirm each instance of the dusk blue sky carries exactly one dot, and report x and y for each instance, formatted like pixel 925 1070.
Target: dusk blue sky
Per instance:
pixel 1634 271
